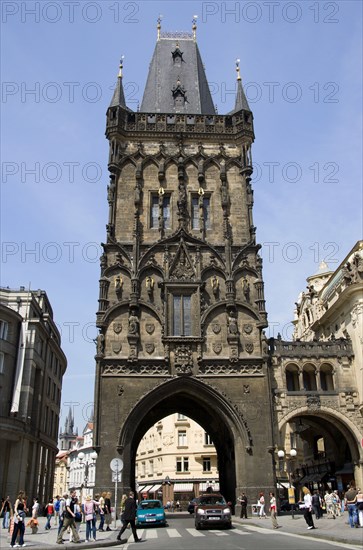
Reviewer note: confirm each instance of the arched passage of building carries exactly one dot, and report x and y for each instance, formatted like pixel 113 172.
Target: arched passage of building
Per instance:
pixel 244 458
pixel 328 448
pixel 204 405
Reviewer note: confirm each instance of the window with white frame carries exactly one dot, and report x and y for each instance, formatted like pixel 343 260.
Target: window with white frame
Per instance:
pixel 182 438
pixel 151 467
pixel 207 439
pixel 182 464
pixel 206 464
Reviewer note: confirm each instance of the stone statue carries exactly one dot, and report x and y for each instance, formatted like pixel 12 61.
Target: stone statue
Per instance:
pixel 232 323
pixel 246 288
pixel 215 285
pixel 100 344
pixel 133 323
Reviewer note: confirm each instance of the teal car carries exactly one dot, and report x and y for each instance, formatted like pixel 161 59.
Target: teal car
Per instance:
pixel 150 512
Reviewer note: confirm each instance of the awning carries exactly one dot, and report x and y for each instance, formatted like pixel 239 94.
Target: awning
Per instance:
pixel 183 487
pixel 145 489
pixel 204 486
pixel 283 484
pixel 155 488
pixel 141 488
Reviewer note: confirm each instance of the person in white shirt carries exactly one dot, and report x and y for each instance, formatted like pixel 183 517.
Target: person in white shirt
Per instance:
pixel 308 506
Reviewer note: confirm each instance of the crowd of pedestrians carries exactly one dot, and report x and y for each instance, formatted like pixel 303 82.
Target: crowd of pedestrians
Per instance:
pixel 313 504
pixel 64 513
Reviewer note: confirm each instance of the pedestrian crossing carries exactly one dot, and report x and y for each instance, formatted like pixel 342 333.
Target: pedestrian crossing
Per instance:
pixel 172 533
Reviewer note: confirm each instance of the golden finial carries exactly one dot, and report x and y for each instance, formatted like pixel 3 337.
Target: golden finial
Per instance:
pixel 121 66
pixel 237 69
pixel 194 26
pixel 159 25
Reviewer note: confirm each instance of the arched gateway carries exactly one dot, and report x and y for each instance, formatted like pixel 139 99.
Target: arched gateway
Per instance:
pixel 181 305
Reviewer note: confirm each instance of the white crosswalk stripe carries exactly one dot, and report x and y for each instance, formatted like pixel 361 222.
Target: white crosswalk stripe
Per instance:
pixel 173 533
pixel 195 533
pixel 149 534
pixel 219 533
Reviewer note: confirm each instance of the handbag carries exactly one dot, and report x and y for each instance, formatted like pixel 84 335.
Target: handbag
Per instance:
pixel 78 517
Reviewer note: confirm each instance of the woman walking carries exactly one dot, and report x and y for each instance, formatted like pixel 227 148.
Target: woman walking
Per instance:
pixel 90 515
pixel 261 502
pixel 273 511
pixel 101 509
pixel 20 510
pixel 50 513
pixel 308 506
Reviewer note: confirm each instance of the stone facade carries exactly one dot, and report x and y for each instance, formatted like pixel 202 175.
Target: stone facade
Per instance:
pixel 317 378
pixel 32 369
pixel 181 303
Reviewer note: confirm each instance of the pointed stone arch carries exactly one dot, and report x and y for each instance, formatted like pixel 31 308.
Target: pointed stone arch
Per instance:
pixel 224 421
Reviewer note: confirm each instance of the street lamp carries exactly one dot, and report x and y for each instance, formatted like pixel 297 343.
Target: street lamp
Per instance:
pixel 86 465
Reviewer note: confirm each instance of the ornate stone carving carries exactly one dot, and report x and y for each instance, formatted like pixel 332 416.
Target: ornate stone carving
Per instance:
pixel 116 347
pixel 217 347
pixel 183 360
pixel 216 327
pixel 120 390
pixel 246 388
pixel 149 327
pixel 117 327
pixel 249 347
pixel 150 347
pixel 101 344
pixel 313 402
pixel 247 328
pixel 128 369
pixel 182 268
pixel 231 369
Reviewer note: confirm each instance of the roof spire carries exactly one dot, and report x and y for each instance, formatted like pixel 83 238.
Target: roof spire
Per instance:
pixel 194 27
pixel 241 100
pixel 237 69
pixel 118 99
pixel 159 25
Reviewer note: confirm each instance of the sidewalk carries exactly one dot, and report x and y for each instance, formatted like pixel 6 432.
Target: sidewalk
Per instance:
pixel 337 530
pixel 47 539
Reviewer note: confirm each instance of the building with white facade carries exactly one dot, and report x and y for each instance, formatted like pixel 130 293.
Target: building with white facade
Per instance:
pixel 82 463
pixel 176 460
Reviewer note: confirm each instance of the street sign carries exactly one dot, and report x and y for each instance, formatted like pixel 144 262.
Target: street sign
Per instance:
pixel 116 477
pixel 117 464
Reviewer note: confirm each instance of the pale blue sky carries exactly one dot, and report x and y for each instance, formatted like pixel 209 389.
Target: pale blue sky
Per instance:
pixel 301 64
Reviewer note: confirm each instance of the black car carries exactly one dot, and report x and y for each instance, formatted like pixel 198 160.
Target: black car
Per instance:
pixel 191 505
pixel 212 509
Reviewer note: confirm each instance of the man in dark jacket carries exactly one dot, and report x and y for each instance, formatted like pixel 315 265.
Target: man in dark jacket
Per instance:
pixel 129 516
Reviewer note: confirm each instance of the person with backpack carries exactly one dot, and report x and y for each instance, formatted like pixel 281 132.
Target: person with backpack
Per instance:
pixel 69 518
pixel 62 507
pixel 56 509
pixel 316 504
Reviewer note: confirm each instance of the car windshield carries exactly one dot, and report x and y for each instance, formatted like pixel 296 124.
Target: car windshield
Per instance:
pixel 211 500
pixel 149 504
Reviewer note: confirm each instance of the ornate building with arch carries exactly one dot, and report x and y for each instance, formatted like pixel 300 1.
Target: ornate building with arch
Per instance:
pixel 317 378
pixel 181 313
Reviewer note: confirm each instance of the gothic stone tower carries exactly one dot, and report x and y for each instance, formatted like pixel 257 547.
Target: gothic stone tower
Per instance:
pixel 181 304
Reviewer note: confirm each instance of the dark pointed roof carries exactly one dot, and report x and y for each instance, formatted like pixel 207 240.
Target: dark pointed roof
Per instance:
pixel 118 98
pixel 167 72
pixel 241 100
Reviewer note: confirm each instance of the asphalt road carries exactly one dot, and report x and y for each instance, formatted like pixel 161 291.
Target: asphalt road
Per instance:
pixel 180 534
